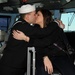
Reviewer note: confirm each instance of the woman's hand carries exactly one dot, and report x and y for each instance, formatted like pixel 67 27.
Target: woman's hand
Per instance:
pixel 20 35
pixel 48 65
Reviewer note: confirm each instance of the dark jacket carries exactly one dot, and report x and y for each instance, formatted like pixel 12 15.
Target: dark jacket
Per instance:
pixel 48 48
pixel 15 53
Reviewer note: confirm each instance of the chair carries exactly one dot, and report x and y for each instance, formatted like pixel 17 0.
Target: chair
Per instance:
pixel 31 62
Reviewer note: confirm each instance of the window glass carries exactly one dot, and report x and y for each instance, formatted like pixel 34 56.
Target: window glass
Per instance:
pixel 69 20
pixel 4 22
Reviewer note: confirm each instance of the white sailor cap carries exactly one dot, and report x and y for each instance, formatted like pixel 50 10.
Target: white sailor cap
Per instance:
pixel 26 8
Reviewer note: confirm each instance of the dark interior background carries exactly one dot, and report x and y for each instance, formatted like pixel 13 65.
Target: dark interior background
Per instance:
pixel 12 5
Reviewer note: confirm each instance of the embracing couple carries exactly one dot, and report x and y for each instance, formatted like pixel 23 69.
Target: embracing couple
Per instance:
pixel 45 36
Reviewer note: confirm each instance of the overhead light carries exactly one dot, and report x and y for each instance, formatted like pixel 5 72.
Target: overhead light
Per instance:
pixel 68 0
pixel 3 1
pixel 38 5
pixel 7 8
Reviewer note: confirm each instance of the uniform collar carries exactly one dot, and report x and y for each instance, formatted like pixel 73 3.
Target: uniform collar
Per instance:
pixel 20 19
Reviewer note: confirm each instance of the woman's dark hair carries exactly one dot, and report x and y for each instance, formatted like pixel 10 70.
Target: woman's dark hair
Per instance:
pixel 47 16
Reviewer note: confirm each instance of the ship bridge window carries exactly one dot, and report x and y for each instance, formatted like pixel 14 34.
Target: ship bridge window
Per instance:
pixel 4 22
pixel 69 20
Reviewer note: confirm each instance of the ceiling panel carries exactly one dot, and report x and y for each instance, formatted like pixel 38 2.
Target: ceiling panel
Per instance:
pixel 34 1
pixel 3 1
pixel 12 5
pixel 52 4
pixel 70 4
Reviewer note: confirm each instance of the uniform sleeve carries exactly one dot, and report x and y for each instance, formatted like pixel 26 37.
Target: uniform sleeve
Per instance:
pixel 35 32
pixel 39 37
pixel 47 41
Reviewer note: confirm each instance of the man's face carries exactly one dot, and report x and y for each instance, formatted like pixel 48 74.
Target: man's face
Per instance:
pixel 32 17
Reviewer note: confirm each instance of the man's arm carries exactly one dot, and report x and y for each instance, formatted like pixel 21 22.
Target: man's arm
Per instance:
pixel 40 42
pixel 36 32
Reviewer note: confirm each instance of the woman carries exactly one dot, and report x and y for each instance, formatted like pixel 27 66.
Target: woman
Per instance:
pixel 55 52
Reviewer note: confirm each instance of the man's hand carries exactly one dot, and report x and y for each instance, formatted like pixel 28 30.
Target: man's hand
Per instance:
pixel 60 24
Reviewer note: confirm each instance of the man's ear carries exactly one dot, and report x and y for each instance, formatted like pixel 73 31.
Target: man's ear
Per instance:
pixel 27 17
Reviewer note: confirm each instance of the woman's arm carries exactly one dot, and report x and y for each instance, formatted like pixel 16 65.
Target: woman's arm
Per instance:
pixel 43 42
pixel 48 65
pixel 20 35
